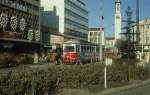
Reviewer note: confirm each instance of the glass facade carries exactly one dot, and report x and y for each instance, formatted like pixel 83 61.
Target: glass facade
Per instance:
pixel 76 19
pixel 73 17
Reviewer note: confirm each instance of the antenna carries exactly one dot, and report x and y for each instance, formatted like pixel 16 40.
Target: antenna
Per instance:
pixel 137 22
pixel 101 34
pixel 101 15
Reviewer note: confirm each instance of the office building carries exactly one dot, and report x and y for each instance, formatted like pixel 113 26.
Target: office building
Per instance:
pixel 73 17
pixel 96 36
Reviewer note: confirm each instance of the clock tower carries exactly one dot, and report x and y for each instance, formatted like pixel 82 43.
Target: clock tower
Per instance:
pixel 117 19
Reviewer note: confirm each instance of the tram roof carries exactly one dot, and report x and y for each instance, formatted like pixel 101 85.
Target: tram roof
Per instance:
pixel 79 42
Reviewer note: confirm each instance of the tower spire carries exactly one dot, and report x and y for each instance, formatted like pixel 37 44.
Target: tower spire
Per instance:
pixel 117 19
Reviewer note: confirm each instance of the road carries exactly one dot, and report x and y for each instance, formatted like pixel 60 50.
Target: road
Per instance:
pixel 142 88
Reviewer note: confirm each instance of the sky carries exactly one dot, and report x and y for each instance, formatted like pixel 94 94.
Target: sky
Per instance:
pixel 93 7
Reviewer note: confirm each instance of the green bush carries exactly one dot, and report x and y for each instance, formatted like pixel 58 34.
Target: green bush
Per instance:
pixel 50 79
pixel 27 83
pixel 93 74
pixel 11 59
pixel 6 60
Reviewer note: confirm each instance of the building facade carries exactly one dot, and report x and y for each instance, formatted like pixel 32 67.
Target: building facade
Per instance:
pixel 73 17
pixel 145 39
pixel 144 42
pixel 19 21
pixel 145 32
pixel 117 19
pixel 96 36
pixel 49 28
pixel 109 42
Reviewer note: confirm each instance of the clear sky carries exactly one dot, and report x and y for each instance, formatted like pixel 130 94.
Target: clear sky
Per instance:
pixel 109 10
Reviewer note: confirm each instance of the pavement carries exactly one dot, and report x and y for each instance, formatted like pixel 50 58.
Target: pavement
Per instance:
pixel 137 88
pixel 141 88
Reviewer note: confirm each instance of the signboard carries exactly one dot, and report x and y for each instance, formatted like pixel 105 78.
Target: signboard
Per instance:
pixel 108 58
pixel 54 47
pixel 54 39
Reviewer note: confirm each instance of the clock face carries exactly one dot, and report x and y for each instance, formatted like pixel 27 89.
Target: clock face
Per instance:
pixel 117 17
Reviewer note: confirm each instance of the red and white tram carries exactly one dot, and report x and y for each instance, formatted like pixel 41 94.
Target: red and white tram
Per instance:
pixel 81 52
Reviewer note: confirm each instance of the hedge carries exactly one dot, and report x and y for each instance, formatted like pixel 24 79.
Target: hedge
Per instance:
pixel 47 81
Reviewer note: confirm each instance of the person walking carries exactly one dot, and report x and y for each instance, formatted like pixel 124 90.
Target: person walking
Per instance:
pixel 59 56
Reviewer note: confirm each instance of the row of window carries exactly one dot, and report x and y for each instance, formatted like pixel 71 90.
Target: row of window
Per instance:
pixel 76 7
pixel 146 40
pixel 83 49
pixel 94 33
pixel 147 26
pixel 73 14
pixel 81 2
pixel 75 33
pixel 94 40
pixel 21 5
pixel 89 49
pixel 80 26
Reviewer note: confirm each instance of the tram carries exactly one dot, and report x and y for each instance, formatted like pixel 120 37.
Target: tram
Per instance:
pixel 81 52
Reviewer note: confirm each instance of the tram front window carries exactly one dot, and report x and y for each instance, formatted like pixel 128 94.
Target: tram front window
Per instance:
pixel 69 49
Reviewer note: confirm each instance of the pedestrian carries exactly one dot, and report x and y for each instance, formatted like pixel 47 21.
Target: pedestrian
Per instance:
pixel 59 56
pixel 53 56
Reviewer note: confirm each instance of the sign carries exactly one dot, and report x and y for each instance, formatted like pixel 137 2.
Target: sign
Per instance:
pixel 54 47
pixel 108 58
pixel 54 39
pixel 108 61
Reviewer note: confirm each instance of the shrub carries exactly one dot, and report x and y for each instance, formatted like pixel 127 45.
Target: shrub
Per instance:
pixel 42 81
pixel 29 83
pixel 6 60
pixel 11 59
pixel 93 74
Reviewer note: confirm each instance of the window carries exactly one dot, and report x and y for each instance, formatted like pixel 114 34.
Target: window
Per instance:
pixel 68 21
pixel 90 33
pixel 76 7
pixel 78 48
pixel 118 7
pixel 73 14
pixel 69 49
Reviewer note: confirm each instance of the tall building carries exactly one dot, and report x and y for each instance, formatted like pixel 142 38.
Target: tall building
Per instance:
pixel 117 19
pixel 73 17
pixel 144 29
pixel 96 36
pixel 49 29
pixel 144 26
pixel 19 25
